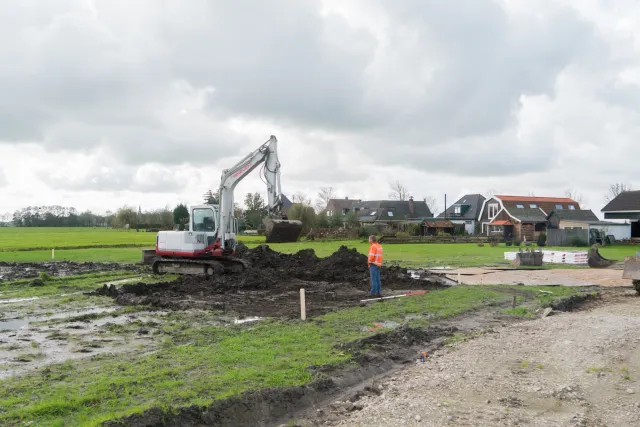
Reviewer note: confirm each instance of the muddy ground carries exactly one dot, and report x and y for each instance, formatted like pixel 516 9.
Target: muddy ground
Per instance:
pixel 271 286
pixel 13 271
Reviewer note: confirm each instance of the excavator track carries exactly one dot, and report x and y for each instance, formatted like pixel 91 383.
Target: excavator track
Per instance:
pixel 199 267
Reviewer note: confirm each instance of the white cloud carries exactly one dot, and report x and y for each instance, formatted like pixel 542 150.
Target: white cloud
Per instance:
pixel 103 108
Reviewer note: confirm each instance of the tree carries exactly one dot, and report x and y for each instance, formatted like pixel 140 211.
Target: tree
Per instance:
pixel 126 215
pixel 181 214
pixel 432 204
pixel 324 195
pixel 254 202
pixel 322 221
pixel 573 194
pixel 398 191
pixel 336 220
pixel 300 197
pixel 255 210
pixel 351 220
pixel 211 198
pixel 303 213
pixel 615 190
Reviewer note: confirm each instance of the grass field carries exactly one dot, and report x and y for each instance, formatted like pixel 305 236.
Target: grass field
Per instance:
pixel 107 245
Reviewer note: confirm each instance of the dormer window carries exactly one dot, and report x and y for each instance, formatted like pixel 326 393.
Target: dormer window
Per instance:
pixel 559 207
pixel 520 206
pixel 533 206
pixel 572 208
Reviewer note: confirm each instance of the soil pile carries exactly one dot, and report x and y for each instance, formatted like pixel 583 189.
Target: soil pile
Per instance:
pixel 23 270
pixel 270 287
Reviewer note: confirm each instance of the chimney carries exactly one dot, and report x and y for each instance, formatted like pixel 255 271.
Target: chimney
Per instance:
pixel 411 206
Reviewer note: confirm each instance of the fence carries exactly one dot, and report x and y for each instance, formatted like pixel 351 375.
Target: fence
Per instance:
pixel 567 237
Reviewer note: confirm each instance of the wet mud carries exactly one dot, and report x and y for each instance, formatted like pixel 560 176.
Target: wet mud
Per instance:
pixel 271 286
pixel 13 271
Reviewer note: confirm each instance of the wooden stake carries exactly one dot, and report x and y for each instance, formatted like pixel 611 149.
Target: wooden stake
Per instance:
pixel 458 277
pixel 303 308
pixel 53 253
pixel 514 301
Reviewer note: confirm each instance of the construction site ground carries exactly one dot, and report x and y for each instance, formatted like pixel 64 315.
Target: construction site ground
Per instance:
pixel 110 344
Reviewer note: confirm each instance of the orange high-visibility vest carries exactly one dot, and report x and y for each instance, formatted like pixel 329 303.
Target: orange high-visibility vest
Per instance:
pixel 375 254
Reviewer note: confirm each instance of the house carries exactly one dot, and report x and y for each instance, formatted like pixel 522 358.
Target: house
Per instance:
pixel 625 205
pixel 465 212
pixel 388 211
pixel 587 220
pixel 521 217
pixel 343 206
pixel 380 211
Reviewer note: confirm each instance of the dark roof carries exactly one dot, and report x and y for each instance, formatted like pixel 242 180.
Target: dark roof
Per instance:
pixel 528 215
pixel 585 215
pixel 286 203
pixel 340 204
pixel 438 224
pixel 378 210
pixel 474 201
pixel 625 201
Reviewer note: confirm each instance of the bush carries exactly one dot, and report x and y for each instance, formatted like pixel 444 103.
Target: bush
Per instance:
pixel 578 242
pixel 413 229
pixel 365 232
pixel 402 234
pixel 493 243
pixel 542 239
pixel 509 242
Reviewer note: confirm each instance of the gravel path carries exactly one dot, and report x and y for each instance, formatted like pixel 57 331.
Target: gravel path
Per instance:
pixel 569 369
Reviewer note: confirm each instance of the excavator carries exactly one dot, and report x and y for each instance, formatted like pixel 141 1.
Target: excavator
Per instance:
pixel 208 248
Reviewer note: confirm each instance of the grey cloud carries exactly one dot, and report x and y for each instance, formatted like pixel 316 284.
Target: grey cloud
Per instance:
pixel 120 178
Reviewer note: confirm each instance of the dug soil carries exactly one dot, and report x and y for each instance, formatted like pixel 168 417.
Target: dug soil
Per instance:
pixel 271 286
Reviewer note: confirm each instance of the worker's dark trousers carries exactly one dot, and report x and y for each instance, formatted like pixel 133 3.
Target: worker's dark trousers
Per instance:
pixel 376 286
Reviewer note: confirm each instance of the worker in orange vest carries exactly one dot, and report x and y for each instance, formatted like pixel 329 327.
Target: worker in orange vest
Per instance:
pixel 375 264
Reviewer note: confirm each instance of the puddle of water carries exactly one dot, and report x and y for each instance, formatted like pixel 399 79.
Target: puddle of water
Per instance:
pixel 13 324
pixel 247 320
pixel 12 300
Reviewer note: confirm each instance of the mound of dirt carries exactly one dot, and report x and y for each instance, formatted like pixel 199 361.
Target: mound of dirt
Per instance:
pixel 14 271
pixel 271 285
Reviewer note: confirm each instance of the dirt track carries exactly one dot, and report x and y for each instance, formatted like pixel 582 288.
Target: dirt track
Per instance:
pixel 570 369
pixel 565 277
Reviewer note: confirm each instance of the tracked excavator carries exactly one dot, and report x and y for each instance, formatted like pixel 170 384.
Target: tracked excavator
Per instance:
pixel 209 246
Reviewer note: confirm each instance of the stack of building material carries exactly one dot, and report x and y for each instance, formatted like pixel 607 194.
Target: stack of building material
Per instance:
pixel 557 257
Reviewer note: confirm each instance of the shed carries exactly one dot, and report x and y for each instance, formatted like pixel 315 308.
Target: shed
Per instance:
pixel 433 227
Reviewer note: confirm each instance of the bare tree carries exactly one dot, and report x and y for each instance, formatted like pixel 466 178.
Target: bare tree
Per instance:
pixel 615 189
pixel 398 191
pixel 301 198
pixel 490 193
pixel 324 195
pixel 573 194
pixel 432 204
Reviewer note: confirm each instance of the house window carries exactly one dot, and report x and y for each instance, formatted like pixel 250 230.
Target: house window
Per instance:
pixel 456 210
pixel 372 213
pixel 493 210
pixel 533 206
pixel 390 213
pixel 520 206
pixel 559 207
pixel 572 208
pixel 496 229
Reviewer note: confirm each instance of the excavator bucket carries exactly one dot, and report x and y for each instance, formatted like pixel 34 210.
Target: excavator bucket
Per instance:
pixel 596 260
pixel 282 230
pixel 631 268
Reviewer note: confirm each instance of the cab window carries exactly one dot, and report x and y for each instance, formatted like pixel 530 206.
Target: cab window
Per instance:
pixel 203 220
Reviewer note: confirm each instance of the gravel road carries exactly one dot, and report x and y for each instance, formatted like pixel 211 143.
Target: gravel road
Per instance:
pixel 569 369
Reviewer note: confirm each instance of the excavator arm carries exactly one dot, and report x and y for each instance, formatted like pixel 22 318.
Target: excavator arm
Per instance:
pixel 266 155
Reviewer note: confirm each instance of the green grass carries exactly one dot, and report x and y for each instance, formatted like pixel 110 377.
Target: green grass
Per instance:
pixel 198 364
pixel 58 285
pixel 107 245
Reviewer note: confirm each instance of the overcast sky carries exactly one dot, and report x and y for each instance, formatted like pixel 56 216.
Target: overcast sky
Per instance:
pixel 109 102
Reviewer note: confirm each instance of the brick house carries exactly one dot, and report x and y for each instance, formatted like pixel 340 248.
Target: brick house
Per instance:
pixel 521 217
